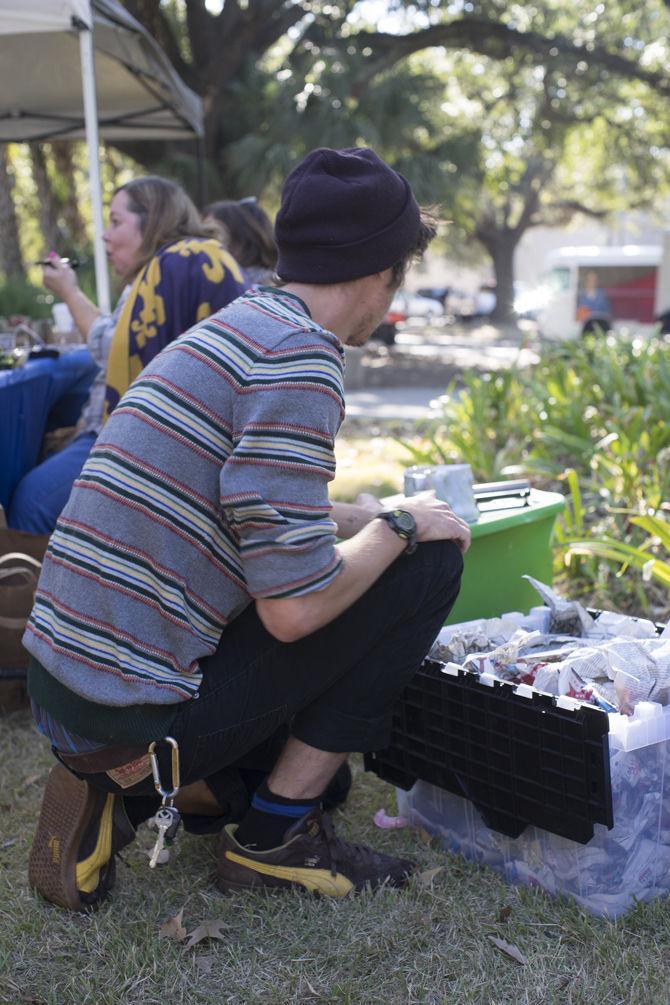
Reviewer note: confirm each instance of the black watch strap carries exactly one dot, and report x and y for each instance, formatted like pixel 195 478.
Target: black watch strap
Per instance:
pixel 404 525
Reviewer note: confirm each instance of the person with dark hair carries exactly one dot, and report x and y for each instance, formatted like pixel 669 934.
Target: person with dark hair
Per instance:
pixel 175 272
pixel 201 589
pixel 247 232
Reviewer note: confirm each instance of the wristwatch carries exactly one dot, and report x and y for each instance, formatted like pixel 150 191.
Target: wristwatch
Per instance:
pixel 403 523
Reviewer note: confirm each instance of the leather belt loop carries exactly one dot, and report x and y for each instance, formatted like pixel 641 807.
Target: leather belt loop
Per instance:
pixel 96 761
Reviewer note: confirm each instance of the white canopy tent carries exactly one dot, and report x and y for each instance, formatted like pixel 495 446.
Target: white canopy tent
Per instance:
pixel 73 69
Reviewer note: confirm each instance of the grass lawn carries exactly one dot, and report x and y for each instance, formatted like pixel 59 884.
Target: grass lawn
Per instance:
pixel 427 945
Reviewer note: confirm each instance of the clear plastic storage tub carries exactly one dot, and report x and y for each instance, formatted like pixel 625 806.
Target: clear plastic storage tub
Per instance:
pixel 545 789
pixel 616 868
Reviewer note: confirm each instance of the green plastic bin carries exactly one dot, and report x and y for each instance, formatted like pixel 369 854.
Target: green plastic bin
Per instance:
pixel 506 544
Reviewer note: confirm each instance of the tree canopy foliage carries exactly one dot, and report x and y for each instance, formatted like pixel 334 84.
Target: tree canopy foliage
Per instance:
pixel 506 114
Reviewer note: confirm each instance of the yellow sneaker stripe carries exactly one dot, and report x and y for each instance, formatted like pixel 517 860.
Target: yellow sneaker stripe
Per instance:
pixel 315 880
pixel 88 870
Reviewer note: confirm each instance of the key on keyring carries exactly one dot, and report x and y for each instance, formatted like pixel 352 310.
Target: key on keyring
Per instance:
pixel 166 821
pixel 167 818
pixel 160 843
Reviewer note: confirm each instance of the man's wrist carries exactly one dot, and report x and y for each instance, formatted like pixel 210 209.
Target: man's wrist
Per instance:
pixel 403 524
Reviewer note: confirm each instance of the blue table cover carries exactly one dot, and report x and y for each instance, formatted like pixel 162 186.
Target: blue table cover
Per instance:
pixel 42 394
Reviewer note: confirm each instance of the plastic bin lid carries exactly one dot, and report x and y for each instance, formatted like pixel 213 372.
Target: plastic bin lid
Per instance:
pixel 519 756
pixel 541 506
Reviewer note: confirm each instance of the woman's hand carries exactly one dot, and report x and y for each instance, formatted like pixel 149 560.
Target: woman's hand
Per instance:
pixel 59 278
pixel 62 281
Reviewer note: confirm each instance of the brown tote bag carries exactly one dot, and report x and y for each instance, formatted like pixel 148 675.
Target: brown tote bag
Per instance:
pixel 20 562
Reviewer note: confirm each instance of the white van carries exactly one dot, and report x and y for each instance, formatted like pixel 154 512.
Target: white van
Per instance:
pixel 590 288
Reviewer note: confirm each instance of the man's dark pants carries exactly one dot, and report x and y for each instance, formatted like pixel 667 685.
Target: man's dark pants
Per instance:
pixel 334 690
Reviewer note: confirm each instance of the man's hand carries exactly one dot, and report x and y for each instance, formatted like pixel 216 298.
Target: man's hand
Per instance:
pixel 366 556
pixel 435 520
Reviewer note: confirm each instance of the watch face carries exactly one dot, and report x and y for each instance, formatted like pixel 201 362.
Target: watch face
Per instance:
pixel 405 521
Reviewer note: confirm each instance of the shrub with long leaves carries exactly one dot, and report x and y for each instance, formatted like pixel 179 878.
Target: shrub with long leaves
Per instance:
pixel 592 416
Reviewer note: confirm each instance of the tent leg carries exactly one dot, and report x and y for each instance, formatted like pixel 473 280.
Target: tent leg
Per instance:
pixel 91 121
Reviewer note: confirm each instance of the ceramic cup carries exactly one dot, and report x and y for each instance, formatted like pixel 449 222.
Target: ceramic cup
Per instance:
pixel 452 483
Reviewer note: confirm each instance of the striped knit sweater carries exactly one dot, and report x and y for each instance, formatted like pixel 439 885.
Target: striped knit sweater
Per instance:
pixel 206 488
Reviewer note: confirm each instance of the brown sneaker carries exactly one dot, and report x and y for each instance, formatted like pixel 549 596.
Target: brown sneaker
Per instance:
pixel 79 831
pixel 311 857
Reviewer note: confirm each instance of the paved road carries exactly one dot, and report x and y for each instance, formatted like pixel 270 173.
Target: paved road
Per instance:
pixel 393 403
pixel 482 345
pixel 401 382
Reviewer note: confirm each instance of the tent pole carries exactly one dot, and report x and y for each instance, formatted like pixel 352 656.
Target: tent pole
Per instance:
pixel 203 194
pixel 91 123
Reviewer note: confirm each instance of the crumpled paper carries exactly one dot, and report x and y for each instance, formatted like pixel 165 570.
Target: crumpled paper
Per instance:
pixel 568 617
pixel 609 625
pixel 613 662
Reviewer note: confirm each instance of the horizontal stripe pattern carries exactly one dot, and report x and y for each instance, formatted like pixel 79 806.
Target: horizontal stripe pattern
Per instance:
pixel 287 446
pixel 207 488
pixel 136 575
pixel 163 402
pixel 128 479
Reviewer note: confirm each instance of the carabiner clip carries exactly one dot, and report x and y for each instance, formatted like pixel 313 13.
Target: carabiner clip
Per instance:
pixel 167 795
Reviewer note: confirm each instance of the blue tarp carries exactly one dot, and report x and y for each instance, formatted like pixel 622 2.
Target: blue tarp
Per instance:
pixel 41 395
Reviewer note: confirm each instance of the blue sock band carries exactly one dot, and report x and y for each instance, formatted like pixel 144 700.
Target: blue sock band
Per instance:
pixel 282 809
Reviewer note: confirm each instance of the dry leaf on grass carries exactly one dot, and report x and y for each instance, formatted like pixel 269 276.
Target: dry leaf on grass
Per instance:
pixel 312 992
pixel 509 950
pixel 214 929
pixel 173 928
pixel 504 912
pixel 30 780
pixel 426 877
pixel 205 964
pixel 424 835
pixel 28 998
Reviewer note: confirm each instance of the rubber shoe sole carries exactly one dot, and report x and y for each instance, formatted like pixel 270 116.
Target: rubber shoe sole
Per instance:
pixel 312 858
pixel 68 807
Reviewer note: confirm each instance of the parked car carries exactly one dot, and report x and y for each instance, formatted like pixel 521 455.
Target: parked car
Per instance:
pixel 460 304
pixel 405 306
pixel 482 302
pixel 485 300
pixel 388 329
pixel 415 305
pixel 440 293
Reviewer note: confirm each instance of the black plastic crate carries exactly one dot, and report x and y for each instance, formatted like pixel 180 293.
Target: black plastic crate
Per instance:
pixel 519 759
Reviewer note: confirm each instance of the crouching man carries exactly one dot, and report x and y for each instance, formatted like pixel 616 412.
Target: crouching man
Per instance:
pixel 195 586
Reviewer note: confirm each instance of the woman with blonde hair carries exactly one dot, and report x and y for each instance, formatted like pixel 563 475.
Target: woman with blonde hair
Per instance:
pixel 176 272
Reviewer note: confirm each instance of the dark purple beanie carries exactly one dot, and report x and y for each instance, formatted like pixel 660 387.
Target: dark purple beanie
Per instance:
pixel 344 214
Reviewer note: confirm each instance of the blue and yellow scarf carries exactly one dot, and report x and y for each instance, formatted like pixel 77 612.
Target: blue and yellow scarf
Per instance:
pixel 182 284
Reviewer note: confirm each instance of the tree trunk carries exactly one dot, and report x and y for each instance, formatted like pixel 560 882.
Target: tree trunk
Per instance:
pixel 501 245
pixel 52 237
pixel 73 222
pixel 503 266
pixel 11 260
